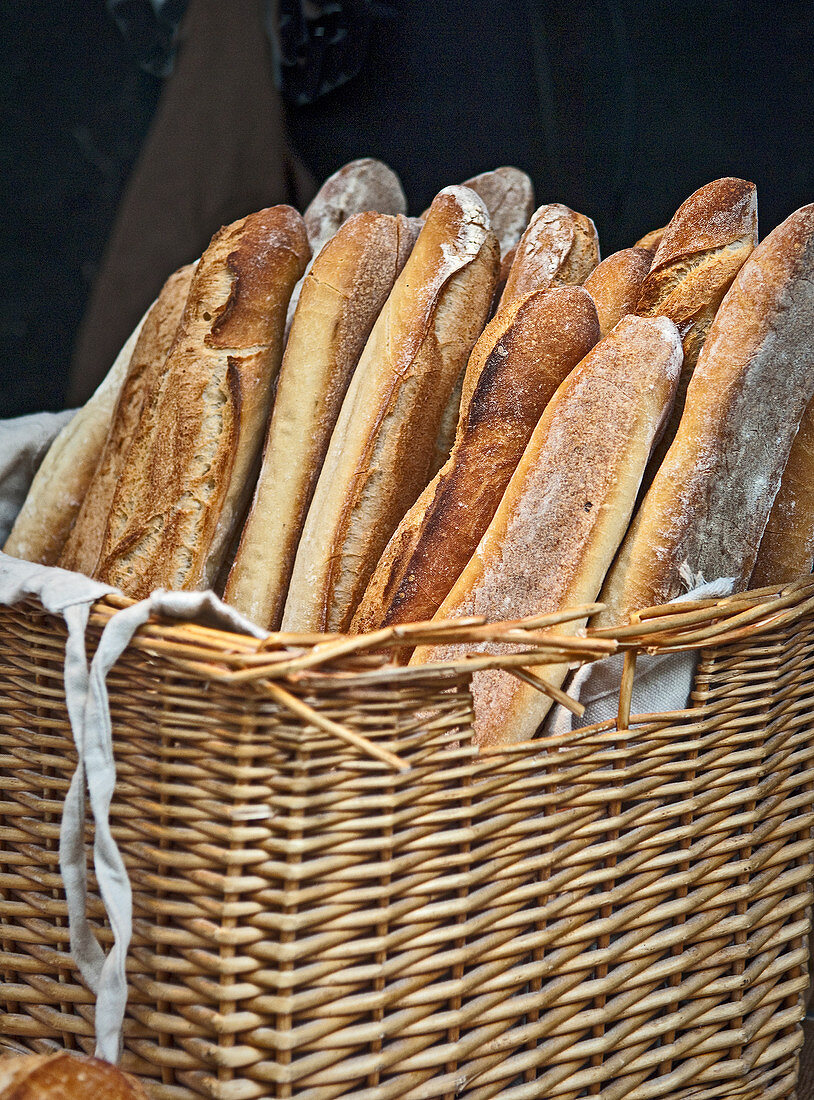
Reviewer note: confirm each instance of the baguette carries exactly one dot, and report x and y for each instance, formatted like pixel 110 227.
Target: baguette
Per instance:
pixel 616 284
pixel 358 186
pixel 59 486
pixel 508 195
pixel 341 298
pixel 565 509
pixel 704 246
pixel 380 452
pixel 185 479
pixel 787 548
pixel 81 551
pixel 706 509
pixel 513 371
pixel 559 247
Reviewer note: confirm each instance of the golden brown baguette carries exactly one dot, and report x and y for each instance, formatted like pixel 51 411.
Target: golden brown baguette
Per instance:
pixel 185 479
pixel 381 448
pixel 508 195
pixel 59 486
pixel 63 1076
pixel 81 551
pixel 704 246
pixel 513 371
pixel 705 512
pixel 358 186
pixel 341 298
pixel 616 284
pixel 558 248
pixel 565 509
pixel 787 547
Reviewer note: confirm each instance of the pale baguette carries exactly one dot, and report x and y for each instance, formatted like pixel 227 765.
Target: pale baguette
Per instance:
pixel 59 486
pixel 358 186
pixel 341 298
pixel 380 452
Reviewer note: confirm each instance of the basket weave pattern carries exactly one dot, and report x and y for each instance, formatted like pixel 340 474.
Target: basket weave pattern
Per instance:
pixel 621 913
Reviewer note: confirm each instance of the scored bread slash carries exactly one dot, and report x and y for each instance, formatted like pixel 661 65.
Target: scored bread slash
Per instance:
pixel 559 247
pixel 565 510
pixel 81 551
pixel 517 364
pixel 186 478
pixel 706 509
pixel 357 187
pixel 55 495
pixel 380 452
pixel 616 284
pixel 341 298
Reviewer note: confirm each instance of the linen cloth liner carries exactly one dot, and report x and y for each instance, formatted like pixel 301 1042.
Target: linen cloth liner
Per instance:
pixel 663 682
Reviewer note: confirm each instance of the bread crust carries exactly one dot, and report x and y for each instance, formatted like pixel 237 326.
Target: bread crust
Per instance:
pixel 651 240
pixel 81 551
pixel 59 486
pixel 61 1075
pixel 559 247
pixel 360 185
pixel 787 547
pixel 616 284
pixel 185 480
pixel 381 448
pixel 706 509
pixel 517 364
pixel 565 509
pixel 341 298
pixel 508 195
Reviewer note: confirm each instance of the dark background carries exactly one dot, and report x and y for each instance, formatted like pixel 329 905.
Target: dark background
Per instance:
pixel 619 110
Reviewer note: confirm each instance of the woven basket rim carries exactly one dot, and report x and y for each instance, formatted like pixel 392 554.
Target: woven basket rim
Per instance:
pixel 228 656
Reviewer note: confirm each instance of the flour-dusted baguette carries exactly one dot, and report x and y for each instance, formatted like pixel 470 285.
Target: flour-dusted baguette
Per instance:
pixel 508 195
pixel 706 509
pixel 59 486
pixel 616 285
pixel 515 367
pixel 565 509
pixel 341 298
pixel 787 547
pixel 81 551
pixel 358 186
pixel 559 247
pixel 186 477
pixel 379 456
pixel 702 249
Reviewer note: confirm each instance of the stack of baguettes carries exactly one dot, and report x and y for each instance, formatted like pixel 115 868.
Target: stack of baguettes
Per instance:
pixel 355 419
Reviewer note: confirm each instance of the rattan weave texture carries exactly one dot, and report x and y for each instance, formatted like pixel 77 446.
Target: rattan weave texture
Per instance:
pixel 620 913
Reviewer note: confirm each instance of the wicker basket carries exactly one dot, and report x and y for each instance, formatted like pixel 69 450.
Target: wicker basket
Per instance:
pixel 618 913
